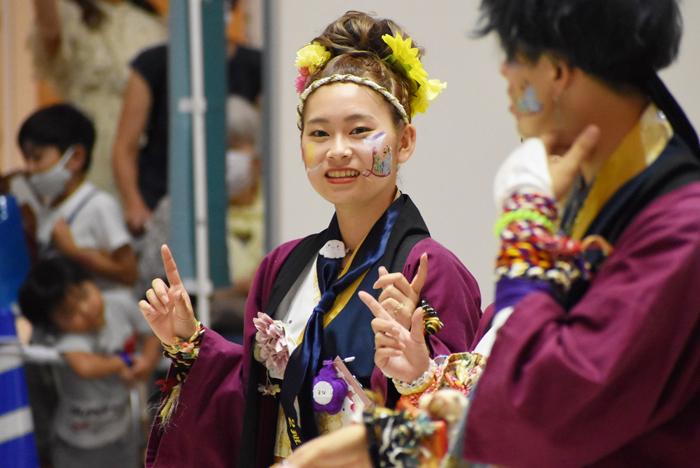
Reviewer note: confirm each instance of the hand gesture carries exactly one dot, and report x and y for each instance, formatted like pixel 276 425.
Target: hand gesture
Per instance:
pixel 566 168
pixel 399 353
pixel 169 309
pixel 398 295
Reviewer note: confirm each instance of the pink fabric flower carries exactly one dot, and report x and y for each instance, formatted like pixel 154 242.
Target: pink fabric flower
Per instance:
pixel 300 82
pixel 273 342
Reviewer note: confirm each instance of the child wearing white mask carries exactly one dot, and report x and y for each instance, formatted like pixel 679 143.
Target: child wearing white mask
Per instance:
pixel 76 218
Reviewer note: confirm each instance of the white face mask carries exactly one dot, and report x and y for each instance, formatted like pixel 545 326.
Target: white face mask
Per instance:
pixel 238 172
pixel 51 183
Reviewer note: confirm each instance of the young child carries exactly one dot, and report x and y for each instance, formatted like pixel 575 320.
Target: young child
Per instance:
pixel 76 218
pixel 91 426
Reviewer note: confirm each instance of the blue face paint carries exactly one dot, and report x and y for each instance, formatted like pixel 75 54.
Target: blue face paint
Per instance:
pixel 381 159
pixel 529 104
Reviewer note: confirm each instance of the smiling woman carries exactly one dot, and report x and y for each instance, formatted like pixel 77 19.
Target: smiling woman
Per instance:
pixel 349 130
pixel 361 82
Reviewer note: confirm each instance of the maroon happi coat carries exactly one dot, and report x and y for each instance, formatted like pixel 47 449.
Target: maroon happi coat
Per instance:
pixel 615 380
pixel 205 429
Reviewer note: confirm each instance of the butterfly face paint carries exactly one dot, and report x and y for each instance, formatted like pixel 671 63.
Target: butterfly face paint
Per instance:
pixel 309 156
pixel 381 155
pixel 528 104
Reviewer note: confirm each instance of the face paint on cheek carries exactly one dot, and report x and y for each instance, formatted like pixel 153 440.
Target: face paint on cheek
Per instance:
pixel 308 155
pixel 381 157
pixel 528 104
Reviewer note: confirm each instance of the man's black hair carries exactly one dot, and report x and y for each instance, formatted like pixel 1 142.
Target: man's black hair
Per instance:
pixel 615 40
pixel 60 125
pixel 46 287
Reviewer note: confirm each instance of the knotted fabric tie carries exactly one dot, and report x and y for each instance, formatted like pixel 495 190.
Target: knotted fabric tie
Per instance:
pixel 304 362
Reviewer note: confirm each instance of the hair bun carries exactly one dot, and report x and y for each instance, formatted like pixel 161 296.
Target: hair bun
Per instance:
pixel 360 33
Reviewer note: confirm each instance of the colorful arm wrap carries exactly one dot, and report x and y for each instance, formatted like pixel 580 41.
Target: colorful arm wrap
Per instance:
pixel 182 354
pixel 530 249
pixel 396 439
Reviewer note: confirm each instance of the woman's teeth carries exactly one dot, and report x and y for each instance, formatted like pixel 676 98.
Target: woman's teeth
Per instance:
pixel 342 174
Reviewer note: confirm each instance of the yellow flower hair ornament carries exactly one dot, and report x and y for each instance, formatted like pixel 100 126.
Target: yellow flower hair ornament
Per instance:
pixel 310 58
pixel 406 58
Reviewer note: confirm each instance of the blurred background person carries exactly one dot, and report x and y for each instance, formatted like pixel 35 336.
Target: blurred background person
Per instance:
pixel 83 48
pixel 245 221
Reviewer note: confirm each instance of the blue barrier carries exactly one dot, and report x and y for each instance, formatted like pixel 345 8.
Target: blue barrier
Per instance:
pixel 17 445
pixel 14 257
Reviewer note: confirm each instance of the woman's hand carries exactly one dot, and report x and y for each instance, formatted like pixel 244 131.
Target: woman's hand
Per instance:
pixel 169 309
pixel 344 448
pixel 399 353
pixel 398 295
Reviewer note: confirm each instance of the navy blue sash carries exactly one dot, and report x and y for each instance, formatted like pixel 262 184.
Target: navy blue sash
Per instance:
pixel 304 362
pixel 343 336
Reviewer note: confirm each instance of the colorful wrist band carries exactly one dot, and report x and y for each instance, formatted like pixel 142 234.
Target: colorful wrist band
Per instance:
pixel 517 215
pixel 127 359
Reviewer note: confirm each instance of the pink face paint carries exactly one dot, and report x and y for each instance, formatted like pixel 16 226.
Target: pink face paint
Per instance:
pixel 381 155
pixel 528 104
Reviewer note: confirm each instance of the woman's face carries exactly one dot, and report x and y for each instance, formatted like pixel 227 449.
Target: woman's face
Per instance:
pixel 531 94
pixel 350 145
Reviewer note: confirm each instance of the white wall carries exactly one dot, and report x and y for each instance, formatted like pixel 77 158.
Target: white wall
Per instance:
pixel 462 137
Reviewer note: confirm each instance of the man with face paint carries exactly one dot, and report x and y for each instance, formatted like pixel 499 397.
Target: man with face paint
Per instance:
pixel 76 219
pixel 593 352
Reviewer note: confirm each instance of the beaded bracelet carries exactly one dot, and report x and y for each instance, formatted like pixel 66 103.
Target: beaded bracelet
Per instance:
pixel 420 384
pixel 533 202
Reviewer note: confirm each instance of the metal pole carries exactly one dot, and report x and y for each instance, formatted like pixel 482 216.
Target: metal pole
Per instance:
pixel 199 158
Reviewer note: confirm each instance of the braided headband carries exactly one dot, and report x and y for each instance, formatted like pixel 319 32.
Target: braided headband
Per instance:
pixel 404 57
pixel 349 79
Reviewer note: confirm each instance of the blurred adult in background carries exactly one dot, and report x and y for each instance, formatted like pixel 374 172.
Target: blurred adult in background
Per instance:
pixel 140 156
pixel 83 48
pixel 140 152
pixel 245 219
